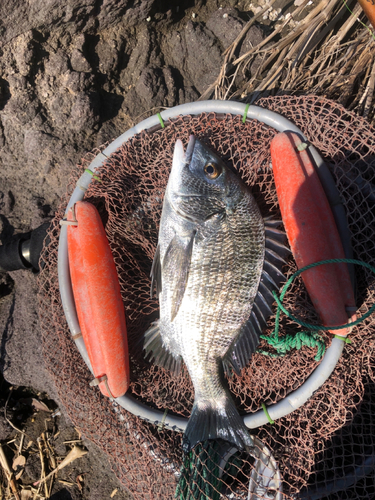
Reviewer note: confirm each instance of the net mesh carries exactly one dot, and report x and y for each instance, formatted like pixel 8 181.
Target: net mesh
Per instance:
pixel 329 443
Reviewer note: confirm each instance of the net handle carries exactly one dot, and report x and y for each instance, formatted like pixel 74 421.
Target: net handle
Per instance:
pixel 295 399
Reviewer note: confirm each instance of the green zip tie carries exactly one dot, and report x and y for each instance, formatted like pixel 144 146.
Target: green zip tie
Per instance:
pixel 160 120
pixel 302 146
pixel 344 339
pixel 88 171
pixel 245 113
pixel 267 414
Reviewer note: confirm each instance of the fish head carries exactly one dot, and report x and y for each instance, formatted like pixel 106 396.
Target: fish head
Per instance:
pixel 201 185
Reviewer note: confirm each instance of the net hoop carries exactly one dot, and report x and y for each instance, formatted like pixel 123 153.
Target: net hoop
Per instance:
pixel 293 400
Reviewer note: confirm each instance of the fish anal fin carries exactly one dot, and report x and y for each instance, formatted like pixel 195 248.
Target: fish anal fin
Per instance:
pixel 176 264
pixel 157 351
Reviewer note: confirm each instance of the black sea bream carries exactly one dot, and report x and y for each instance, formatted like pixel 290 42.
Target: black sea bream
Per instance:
pixel 213 273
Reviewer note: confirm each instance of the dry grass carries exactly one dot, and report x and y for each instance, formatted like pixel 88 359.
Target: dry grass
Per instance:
pixel 330 52
pixel 15 453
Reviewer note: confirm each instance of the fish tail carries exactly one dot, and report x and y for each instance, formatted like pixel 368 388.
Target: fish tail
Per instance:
pixel 212 421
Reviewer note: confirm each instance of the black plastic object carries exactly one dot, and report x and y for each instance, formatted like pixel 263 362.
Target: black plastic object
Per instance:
pixel 23 250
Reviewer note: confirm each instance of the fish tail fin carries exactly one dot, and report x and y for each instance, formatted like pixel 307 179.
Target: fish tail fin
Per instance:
pixel 212 421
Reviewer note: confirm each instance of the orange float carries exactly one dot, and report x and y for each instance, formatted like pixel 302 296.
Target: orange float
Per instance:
pixel 98 299
pixel 312 231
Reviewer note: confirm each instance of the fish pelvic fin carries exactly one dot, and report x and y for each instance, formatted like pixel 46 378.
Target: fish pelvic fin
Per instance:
pixel 214 420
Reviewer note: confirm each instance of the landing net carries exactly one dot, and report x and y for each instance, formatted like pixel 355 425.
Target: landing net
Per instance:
pixel 325 446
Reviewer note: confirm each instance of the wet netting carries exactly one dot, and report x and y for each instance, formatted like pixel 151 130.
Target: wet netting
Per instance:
pixel 326 446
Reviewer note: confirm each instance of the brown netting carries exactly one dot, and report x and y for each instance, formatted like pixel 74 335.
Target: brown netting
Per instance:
pixel 326 444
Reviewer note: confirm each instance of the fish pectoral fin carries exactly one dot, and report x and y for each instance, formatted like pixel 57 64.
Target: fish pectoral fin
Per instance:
pixel 156 350
pixel 176 266
pixel 156 273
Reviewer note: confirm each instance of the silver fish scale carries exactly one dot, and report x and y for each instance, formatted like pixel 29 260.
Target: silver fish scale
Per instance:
pixel 223 281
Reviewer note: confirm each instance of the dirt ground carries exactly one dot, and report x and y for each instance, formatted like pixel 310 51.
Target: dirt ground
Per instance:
pixel 74 75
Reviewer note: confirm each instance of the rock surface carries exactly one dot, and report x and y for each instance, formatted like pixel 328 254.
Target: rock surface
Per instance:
pixel 74 75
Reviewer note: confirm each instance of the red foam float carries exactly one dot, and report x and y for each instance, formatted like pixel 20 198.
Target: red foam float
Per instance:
pixel 98 299
pixel 312 231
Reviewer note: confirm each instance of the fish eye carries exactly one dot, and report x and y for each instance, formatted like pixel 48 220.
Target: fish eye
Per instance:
pixel 212 171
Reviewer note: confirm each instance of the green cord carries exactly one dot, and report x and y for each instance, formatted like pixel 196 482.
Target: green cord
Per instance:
pixel 245 113
pixel 312 338
pixel 88 171
pixel 320 327
pixel 160 120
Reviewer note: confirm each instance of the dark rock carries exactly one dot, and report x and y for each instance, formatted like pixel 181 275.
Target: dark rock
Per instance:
pixel 57 63
pixel 187 94
pixel 38 145
pixel 226 25
pixel 129 12
pixel 5 430
pixel 253 37
pixel 77 82
pixel 79 62
pixel 108 56
pixel 2 138
pixel 33 467
pixel 22 107
pixel 21 358
pixel 157 87
pixel 24 53
pixel 17 82
pixel 59 108
pixel 143 51
pixel 107 133
pixel 76 15
pixel 6 203
pixel 84 115
pixel 195 51
pixel 6 284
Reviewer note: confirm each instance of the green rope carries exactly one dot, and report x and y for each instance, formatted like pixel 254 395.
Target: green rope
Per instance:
pixel 310 338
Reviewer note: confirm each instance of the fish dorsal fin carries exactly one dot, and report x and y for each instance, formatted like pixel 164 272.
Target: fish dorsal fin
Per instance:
pixel 272 276
pixel 176 264
pixel 155 350
pixel 156 273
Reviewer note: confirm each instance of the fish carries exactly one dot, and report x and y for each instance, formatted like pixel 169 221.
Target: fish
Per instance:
pixel 216 263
